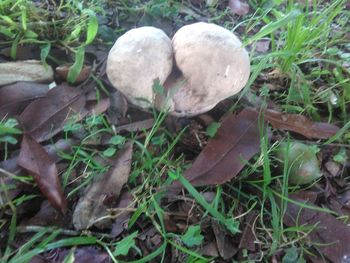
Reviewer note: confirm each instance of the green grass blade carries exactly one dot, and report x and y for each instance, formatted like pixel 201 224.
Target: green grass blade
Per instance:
pixel 273 26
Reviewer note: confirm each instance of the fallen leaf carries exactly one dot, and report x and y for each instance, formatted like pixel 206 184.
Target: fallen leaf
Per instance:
pixel 91 206
pixel 47 216
pixel 82 254
pixel 118 108
pixel 224 242
pixel 23 52
pixel 333 168
pixel 136 126
pixel 329 235
pixel 84 74
pixel 236 141
pixel 62 145
pixel 238 7
pixel 10 167
pixel 210 249
pixel 45 117
pixel 300 124
pixel 248 233
pixel 14 98
pixel 27 70
pixel 263 45
pixel 96 106
pixel 36 161
pixel 122 219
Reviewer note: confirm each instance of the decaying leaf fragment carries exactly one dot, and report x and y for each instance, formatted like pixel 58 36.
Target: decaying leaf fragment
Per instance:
pixel 91 206
pixel 36 161
pixel 237 141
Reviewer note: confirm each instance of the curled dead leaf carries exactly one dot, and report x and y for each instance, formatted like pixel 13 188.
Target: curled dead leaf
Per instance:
pixel 300 124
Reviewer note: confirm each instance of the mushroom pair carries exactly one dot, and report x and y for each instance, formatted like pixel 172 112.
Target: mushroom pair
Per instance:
pixel 202 65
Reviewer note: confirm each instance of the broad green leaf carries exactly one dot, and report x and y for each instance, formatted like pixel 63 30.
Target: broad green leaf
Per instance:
pixel 193 236
pixel 6 32
pixel 8 20
pixel 124 245
pixel 92 27
pixel 4 129
pixel 117 139
pixel 14 46
pixel 109 152
pixel 212 129
pixel 24 17
pixel 75 33
pixel 30 34
pixel 45 50
pixel 75 69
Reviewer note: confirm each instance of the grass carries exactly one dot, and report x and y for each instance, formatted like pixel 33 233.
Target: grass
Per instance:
pixel 308 67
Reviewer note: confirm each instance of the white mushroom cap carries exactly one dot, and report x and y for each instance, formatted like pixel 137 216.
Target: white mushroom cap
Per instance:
pixel 213 64
pixel 139 58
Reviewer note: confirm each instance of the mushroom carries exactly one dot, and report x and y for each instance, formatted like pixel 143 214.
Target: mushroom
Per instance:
pixel 138 59
pixel 302 163
pixel 211 65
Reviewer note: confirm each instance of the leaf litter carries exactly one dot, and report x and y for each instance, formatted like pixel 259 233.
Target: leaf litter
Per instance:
pixel 36 161
pixel 14 98
pixel 227 162
pixel 91 208
pixel 63 104
pixel 236 142
pixel 328 234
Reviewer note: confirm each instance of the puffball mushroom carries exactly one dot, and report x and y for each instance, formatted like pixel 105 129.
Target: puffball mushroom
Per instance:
pixel 303 165
pixel 212 65
pixel 139 58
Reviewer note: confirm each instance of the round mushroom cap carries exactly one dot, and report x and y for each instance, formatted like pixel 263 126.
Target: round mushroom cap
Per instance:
pixel 213 64
pixel 137 60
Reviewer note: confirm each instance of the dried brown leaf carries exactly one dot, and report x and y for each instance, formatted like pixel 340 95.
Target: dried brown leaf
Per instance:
pixel 36 161
pixel 48 216
pixel 14 98
pixel 300 124
pixel 330 235
pixel 237 140
pixel 9 167
pixel 91 206
pixel 248 235
pixel 224 242
pixel 45 117
pixel 122 219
